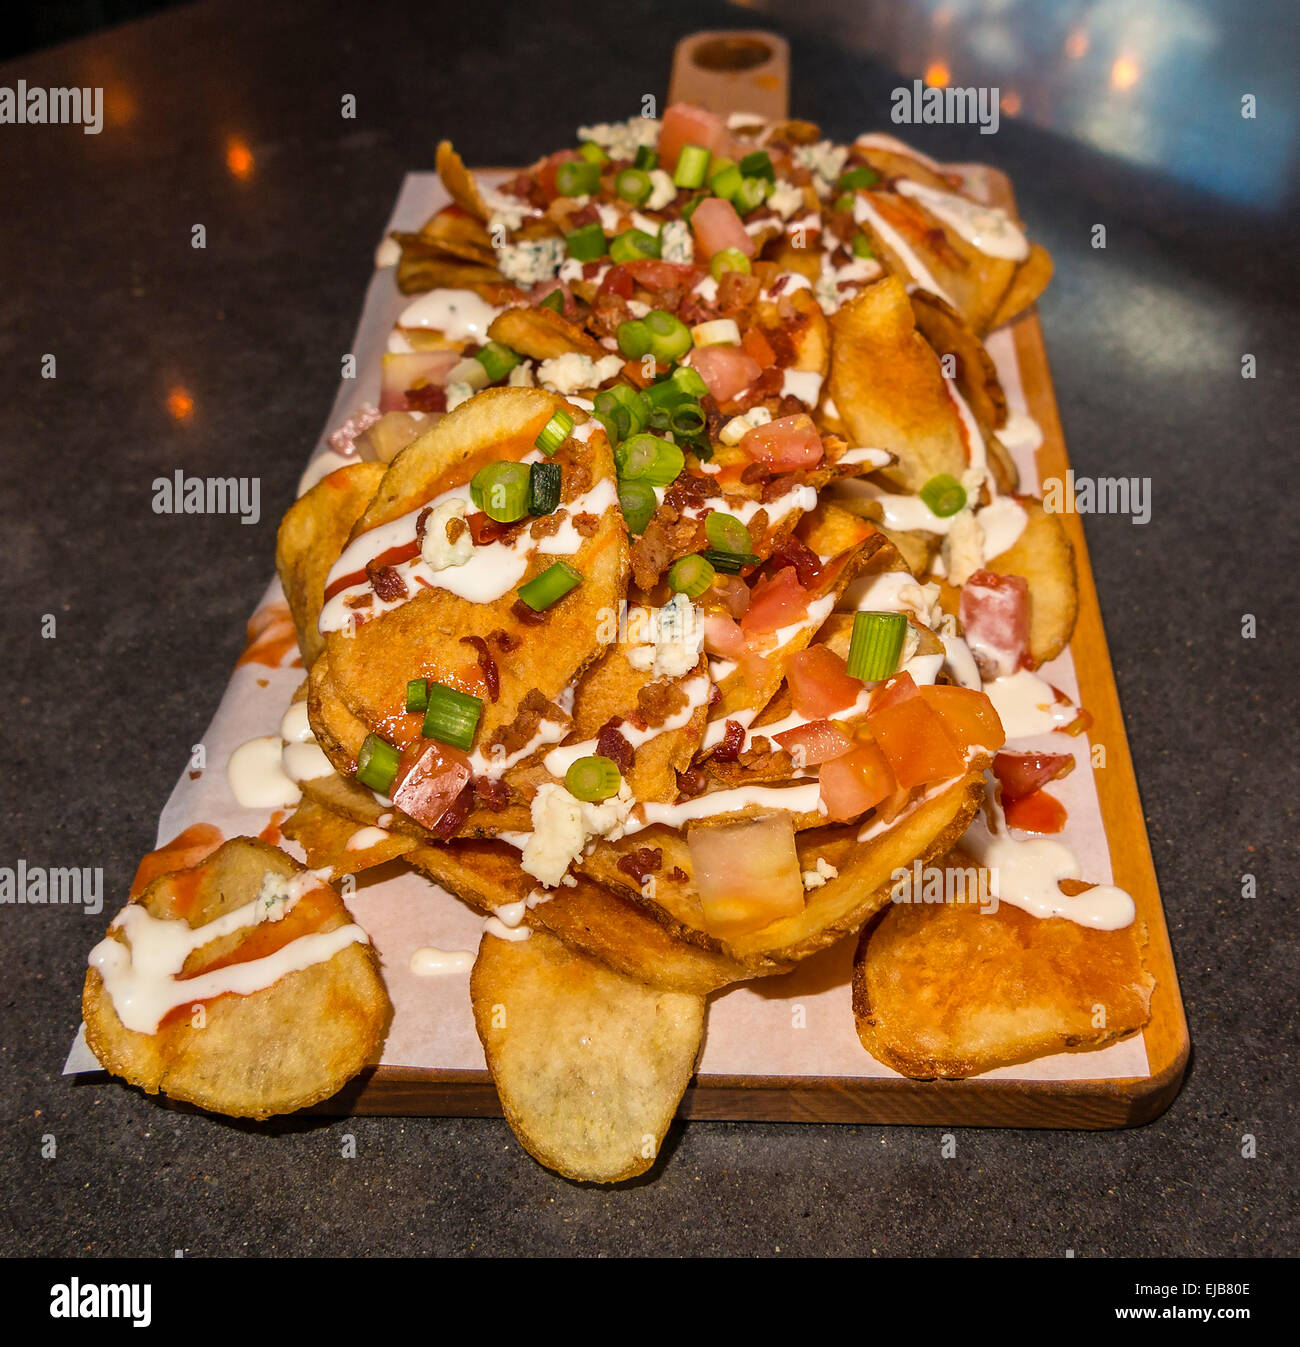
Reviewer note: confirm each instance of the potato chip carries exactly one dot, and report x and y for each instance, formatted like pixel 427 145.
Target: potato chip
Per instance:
pixel 332 842
pixel 542 334
pixel 973 368
pixel 1045 557
pixel 590 1066
pixel 459 182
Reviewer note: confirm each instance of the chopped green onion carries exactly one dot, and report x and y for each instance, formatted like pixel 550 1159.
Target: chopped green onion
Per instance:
pixel 544 480
pixel 689 381
pixel 726 533
pixel 666 394
pixel 593 779
pixel 716 332
pixel 553 584
pixel 692 166
pixel 586 243
pixel 592 152
pixel 554 432
pixel 417 694
pixel 577 177
pixel 553 301
pixel 690 576
pixel 876 645
pixel 633 185
pixel 647 458
pixel 638 502
pixel 857 177
pixel 497 360
pixel 729 563
pixel 500 490
pixel 451 716
pixel 687 419
pixel 670 338
pixel 377 764
pixel 861 245
pixel 634 339
pixel 633 244
pixel 724 178
pixel 758 164
pixel 646 158
pixel 729 259
pixel 844 201
pixel 751 193
pixel 622 411
pixel 944 495
pixel 689 208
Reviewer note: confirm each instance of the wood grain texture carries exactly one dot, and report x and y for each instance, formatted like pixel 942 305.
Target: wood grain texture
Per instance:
pixel 979 1102
pixel 733 71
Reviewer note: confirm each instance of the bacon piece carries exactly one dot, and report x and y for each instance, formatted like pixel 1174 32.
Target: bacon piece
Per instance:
pixel 455 527
pixel 504 640
pixel 456 813
pixel 733 740
pixel 527 615
pixel 426 398
pixel 689 488
pixel 756 472
pixel 781 486
pixel 691 783
pixel 422 523
pixel 586 524
pixel 656 702
pixel 641 862
pixel 386 582
pixel 807 565
pixel 678 875
pixel 487 665
pixel 611 744
pixel 491 792
pixel 994 614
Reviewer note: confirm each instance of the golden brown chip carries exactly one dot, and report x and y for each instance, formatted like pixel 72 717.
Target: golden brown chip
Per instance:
pixel 311 536
pixel 1045 557
pixel 336 843
pixel 590 1066
pixel 976 374
pixel 949 990
pixel 1028 283
pixel 459 234
pixel 459 182
pixel 274 1050
pixel 542 334
pixel 425 265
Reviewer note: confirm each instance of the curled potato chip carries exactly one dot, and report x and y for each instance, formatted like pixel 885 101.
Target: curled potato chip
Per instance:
pixel 311 535
pixel 459 182
pixel 542 334
pixel 275 1050
pixel 951 990
pixel 589 1065
pixel 976 374
pixel 1045 557
pixel 333 842
pixel 1029 282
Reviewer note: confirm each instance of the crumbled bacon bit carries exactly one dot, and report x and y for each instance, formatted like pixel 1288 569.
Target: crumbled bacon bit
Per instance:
pixel 421 524
pixel 574 481
pixel 528 616
pixel 360 600
pixel 689 488
pixel 586 524
pixel 426 398
pixel 487 665
pixel 732 742
pixel 713 417
pixel 587 214
pixel 656 702
pixel 641 862
pixel 455 813
pixel 779 284
pixel 678 875
pixel 807 565
pixel 483 530
pixel 611 744
pixel 791 406
pixel 386 581
pixel 715 692
pixel 491 792
pixel 456 527
pixel 547 524
pixel 691 783
pixel 755 472
pixel 504 640
pixel 781 486
pixel 534 708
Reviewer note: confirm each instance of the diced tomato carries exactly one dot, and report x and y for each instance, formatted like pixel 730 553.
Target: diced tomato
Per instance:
pixel 815 743
pixel 994 612
pixel 728 370
pixel 784 444
pixel 403 370
pixel 618 281
pixel 912 738
pixel 733 592
pixel 656 275
pixel 819 685
pixel 716 227
pixel 775 603
pixel 546 173
pixel 758 346
pixel 1037 812
pixel 723 636
pixel 684 124
pixel 432 783
pixel 967 715
pixel 747 873
pixel 1022 774
pixel 900 688
pixel 856 782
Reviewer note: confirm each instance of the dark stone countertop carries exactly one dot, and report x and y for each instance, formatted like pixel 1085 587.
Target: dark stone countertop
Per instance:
pixel 1145 341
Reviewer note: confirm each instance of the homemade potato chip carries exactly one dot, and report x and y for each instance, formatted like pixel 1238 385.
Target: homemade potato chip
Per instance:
pixel 1045 557
pixel 543 334
pixel 589 1065
pixel 333 842
pixel 274 1050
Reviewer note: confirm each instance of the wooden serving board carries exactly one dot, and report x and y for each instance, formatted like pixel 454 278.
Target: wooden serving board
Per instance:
pixel 749 71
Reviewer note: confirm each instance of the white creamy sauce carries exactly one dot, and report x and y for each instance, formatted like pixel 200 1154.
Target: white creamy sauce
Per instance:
pixel 876 458
pixel 365 838
pixel 301 757
pixel 1028 873
pixel 878 140
pixel 142 976
pixel 493 765
pixel 1001 521
pixel 802 498
pixel 973 438
pixel 806 385
pixel 460 315
pixel 793 280
pixel 1021 433
pixel 892 592
pixel 257 777
pixel 804 799
pixel 865 213
pixel 399 343
pixel 503 932
pixel 1027 705
pixel 431 962
pixel 985 228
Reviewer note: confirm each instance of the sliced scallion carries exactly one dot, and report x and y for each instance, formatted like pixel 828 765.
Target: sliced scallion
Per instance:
pixel 622 411
pixel 587 242
pixel 861 245
pixel 417 694
pixel 724 177
pixel 497 360
pixel 633 338
pixel 633 244
pixel 377 764
pixel 633 185
pixel 944 495
pixel 758 164
pixel 592 153
pixel 876 645
pixel 646 158
pixel 500 490
pixel 549 587
pixel 577 177
pixel 729 563
pixel 593 779
pixel 690 576
pixel 689 208
pixel 692 166
pixel 729 259
pixel 670 338
pixel 857 177
pixel 726 533
pixel 689 381
pixel 638 502
pixel 687 419
pixel 751 193
pixel 544 482
pixel 553 301
pixel 554 432
pixel 451 716
pixel 647 458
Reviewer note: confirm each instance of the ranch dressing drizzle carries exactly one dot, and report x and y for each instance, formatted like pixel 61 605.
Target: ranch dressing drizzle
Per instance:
pixel 503 932
pixel 802 498
pixel 430 962
pixel 301 758
pixel 877 458
pixel 865 213
pixel 806 385
pixel 985 228
pixel 696 688
pixel 878 140
pixel 141 976
pixel 458 314
pixel 1027 875
pixel 798 799
pixel 971 434
pixel 257 777
pixel 365 838
pixel 1027 705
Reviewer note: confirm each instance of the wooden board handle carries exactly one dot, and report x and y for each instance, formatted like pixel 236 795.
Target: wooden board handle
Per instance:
pixel 733 70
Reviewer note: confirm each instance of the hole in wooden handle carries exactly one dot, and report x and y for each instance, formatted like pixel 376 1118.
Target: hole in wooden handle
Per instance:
pixel 732 53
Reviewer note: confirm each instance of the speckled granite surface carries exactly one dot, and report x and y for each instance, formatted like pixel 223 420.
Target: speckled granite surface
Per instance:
pixel 1145 341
